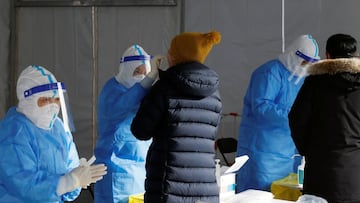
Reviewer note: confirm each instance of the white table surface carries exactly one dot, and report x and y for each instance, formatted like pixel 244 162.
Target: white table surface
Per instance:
pixel 254 196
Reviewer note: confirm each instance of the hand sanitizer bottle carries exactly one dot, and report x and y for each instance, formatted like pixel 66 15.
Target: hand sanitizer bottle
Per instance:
pixel 300 172
pixel 217 171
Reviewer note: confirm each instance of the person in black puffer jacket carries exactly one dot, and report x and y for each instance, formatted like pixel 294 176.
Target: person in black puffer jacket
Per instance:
pixel 181 114
pixel 325 123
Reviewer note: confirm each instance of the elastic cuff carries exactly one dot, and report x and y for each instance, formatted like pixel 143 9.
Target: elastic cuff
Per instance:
pixel 67 183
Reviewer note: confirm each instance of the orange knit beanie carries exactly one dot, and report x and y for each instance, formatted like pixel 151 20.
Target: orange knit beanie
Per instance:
pixel 192 46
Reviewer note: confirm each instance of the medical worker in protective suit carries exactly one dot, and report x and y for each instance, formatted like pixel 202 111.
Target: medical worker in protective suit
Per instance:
pixel 116 146
pixel 39 162
pixel 264 133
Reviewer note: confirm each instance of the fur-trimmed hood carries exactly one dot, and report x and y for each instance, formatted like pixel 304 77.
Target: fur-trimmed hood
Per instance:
pixel 335 66
pixel 344 72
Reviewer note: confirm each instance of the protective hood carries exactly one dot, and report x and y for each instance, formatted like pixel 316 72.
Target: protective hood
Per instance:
pixel 192 78
pixel 133 57
pixel 35 76
pixel 304 48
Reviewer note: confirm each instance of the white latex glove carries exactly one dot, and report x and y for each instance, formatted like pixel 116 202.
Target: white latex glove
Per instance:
pixel 82 176
pixel 85 175
pixel 155 65
pixel 83 161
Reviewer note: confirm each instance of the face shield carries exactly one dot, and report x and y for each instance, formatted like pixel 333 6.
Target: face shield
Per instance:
pixel 298 55
pixel 300 69
pixel 49 99
pixel 141 60
pixel 133 58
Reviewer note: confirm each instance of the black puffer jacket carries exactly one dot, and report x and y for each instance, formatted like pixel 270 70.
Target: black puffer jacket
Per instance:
pixel 325 126
pixel 181 114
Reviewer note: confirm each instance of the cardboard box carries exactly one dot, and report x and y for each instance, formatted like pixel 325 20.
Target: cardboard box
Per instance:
pixel 227 179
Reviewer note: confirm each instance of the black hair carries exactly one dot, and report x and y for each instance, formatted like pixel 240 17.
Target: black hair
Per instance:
pixel 341 46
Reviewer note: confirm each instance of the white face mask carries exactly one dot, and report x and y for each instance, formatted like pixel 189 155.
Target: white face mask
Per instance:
pixel 128 80
pixel 43 117
pixel 138 78
pixel 48 114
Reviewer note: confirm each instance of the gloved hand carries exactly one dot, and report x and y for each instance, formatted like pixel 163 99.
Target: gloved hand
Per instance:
pixel 85 175
pixel 155 65
pixel 82 176
pixel 84 162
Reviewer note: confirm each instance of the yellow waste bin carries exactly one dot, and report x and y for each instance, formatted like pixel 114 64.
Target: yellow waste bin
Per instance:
pixel 136 198
pixel 286 188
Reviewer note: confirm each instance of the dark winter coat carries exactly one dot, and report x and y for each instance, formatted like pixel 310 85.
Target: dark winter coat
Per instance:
pixel 181 114
pixel 325 126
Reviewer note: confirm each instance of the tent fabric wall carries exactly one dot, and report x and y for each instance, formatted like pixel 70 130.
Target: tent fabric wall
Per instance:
pixel 60 39
pixel 248 39
pixel 252 34
pixel 5 75
pixel 83 45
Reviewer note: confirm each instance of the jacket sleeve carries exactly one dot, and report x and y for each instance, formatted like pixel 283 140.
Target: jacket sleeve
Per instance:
pixel 299 117
pixel 150 115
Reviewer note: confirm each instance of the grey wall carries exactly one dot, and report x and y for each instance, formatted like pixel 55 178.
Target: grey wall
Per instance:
pixel 5 76
pixel 252 34
pixel 82 46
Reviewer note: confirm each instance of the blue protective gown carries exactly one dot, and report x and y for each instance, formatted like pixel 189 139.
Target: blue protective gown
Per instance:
pixel 264 133
pixel 116 146
pixel 33 159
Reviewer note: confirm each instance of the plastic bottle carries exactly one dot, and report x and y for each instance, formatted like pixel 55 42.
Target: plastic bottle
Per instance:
pixel 217 171
pixel 300 172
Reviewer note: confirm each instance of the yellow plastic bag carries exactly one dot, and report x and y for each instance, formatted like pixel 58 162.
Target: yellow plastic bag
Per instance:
pixel 136 198
pixel 286 188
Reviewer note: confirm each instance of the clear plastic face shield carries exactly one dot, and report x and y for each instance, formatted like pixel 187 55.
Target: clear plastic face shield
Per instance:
pixel 133 69
pixel 49 105
pixel 300 69
pixel 140 71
